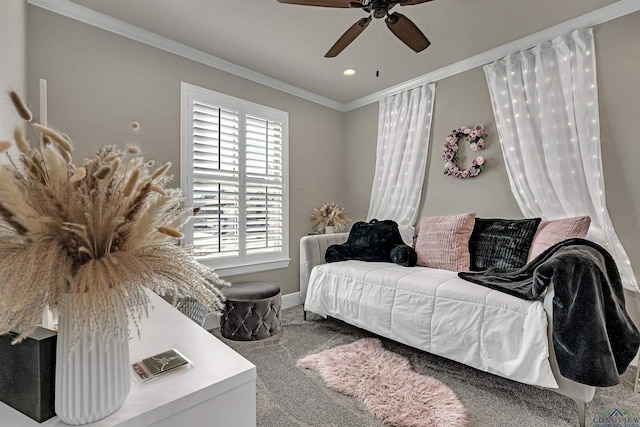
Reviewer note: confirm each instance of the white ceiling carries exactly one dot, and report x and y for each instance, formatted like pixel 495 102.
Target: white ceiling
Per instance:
pixel 288 42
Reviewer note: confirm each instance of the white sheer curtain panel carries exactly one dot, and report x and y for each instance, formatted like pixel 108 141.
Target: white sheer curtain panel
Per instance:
pixel 545 102
pixel 404 125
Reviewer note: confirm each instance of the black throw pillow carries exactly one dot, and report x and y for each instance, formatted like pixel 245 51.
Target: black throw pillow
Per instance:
pixel 501 243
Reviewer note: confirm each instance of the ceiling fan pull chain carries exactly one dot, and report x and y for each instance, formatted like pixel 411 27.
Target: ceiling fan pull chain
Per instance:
pixel 378 49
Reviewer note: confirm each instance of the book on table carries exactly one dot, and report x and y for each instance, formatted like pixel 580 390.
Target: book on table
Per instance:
pixel 160 364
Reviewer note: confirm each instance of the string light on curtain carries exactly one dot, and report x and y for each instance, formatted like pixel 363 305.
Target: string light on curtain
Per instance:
pixel 554 128
pixel 404 126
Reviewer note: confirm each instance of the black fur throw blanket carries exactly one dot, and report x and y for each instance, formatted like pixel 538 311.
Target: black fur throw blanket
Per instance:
pixel 373 241
pixel 594 338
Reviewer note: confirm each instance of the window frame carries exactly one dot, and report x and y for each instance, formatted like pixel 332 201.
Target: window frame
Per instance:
pixel 244 263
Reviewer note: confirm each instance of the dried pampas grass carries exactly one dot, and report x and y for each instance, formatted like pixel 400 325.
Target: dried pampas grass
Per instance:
pixel 105 226
pixel 329 215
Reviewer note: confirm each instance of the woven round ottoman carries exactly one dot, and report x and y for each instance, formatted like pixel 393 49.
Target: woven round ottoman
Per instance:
pixel 252 311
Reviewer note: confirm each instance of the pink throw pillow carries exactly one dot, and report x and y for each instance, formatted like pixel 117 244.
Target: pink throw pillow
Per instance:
pixel 443 241
pixel 555 231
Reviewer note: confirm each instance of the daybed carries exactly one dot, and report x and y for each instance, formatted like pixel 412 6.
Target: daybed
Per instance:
pixel 436 311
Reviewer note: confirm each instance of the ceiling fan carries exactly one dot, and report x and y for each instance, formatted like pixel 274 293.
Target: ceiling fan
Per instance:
pixel 400 25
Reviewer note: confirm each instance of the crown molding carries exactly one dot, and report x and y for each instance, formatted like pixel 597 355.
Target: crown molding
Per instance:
pixel 598 16
pixel 99 20
pixel 116 26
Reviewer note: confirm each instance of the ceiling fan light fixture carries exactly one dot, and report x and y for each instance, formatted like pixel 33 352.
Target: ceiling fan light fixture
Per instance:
pixel 350 72
pixel 401 26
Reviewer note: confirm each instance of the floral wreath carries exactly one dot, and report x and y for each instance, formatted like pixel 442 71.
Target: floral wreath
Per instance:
pixel 476 137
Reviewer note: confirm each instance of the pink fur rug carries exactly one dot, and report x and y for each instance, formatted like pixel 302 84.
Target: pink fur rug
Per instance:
pixel 387 385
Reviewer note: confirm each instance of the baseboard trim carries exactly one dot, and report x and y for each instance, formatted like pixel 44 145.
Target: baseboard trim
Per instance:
pixel 212 320
pixel 291 300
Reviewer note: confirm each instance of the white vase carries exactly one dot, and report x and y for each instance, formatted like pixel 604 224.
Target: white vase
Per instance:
pixel 92 376
pixel 329 229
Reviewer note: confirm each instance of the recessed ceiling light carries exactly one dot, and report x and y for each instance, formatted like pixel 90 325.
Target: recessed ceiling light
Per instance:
pixel 349 71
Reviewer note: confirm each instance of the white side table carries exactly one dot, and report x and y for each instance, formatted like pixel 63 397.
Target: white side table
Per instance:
pixel 220 387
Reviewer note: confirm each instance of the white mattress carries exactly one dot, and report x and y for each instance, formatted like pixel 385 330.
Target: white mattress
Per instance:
pixel 436 311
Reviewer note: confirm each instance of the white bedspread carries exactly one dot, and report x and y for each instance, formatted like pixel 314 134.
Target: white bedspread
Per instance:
pixel 436 311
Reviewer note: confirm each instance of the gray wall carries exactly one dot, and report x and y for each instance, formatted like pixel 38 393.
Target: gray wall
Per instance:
pixel 460 100
pixel 98 83
pixel 464 99
pixel 13 62
pixel 361 132
pixel 618 67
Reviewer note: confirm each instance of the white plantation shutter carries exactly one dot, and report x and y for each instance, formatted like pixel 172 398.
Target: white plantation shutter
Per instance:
pixel 264 185
pixel 216 181
pixel 234 174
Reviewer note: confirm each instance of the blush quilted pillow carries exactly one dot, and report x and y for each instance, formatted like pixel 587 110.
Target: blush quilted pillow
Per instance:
pixel 443 241
pixel 555 231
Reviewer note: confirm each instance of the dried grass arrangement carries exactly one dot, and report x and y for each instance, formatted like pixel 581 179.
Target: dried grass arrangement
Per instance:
pixel 102 228
pixel 329 215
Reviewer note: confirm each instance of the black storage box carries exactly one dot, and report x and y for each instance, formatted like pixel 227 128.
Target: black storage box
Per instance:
pixel 27 373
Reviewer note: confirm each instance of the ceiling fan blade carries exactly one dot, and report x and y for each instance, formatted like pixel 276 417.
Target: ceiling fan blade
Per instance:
pixel 321 3
pixel 410 2
pixel 349 36
pixel 407 32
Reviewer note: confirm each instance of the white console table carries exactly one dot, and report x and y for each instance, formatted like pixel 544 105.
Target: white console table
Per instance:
pixel 219 389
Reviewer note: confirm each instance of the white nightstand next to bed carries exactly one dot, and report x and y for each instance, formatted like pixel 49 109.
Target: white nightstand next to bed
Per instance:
pixel 220 387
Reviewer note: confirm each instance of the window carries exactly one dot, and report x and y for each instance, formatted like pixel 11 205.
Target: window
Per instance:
pixel 234 174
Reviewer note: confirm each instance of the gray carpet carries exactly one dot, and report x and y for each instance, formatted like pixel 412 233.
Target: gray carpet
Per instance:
pixel 289 396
